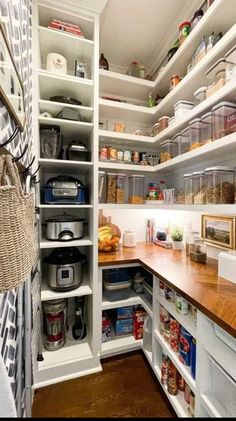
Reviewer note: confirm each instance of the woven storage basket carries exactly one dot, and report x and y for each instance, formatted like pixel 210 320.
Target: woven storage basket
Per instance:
pixel 17 249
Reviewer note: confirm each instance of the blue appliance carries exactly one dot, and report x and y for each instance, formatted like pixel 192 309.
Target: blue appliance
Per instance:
pixel 65 189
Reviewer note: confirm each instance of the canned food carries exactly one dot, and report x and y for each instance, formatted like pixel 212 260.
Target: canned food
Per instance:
pixel 162 328
pixel 143 158
pixel 187 391
pixel 169 294
pixel 162 289
pixel 164 368
pixel 172 378
pixel 120 155
pixel 181 304
pixel 174 334
pixel 112 153
pixel 135 157
pixel 184 346
pixel 164 315
pixel 181 383
pixel 127 156
pixel 103 153
pixel 193 357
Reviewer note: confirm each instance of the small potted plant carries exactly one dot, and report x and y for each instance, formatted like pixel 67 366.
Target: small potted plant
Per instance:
pixel 177 238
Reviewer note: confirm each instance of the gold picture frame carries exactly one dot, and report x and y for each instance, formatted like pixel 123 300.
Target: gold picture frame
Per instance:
pixel 219 230
pixel 11 87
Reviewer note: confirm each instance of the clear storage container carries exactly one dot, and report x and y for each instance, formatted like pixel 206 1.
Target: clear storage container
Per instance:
pixel 219 185
pixel 195 127
pixel 171 121
pixel 185 139
pixel 215 77
pixel 101 187
pixel 136 189
pixel 120 188
pixel 167 150
pixel 230 60
pixel 188 194
pixel 199 188
pixel 207 128
pixel 117 290
pixel 178 145
pixel 111 188
pixel 182 108
pixel 224 119
pixel 199 95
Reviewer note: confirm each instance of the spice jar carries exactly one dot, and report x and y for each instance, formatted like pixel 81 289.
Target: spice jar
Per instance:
pixel 167 150
pixel 199 188
pixel 136 189
pixel 127 156
pixel 174 80
pixel 188 195
pixel 103 153
pixel 196 17
pixel 141 72
pixel 120 188
pixel 220 185
pixel 111 188
pixel 135 157
pixel 184 30
pixel 163 123
pixel 207 128
pixel 120 155
pixel 133 69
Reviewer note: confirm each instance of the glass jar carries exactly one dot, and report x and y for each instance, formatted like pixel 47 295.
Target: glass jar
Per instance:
pixel 136 189
pixel 174 81
pixel 129 238
pixel 207 128
pixel 188 194
pixel 163 123
pixel 135 157
pixel 199 95
pixel 120 155
pixel 112 152
pixel 120 188
pixel 103 153
pixel 111 188
pixel 101 187
pixel 185 139
pixel 153 191
pixel 167 150
pixel 184 30
pixel 224 119
pixel 219 185
pixel 230 60
pixel 195 127
pixel 199 188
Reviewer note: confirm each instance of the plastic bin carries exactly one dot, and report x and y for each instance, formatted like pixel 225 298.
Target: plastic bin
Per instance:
pixel 207 128
pixel 224 119
pixel 117 291
pixel 182 108
pixel 136 189
pixel 116 275
pixel 196 127
pixel 168 148
pixel 220 185
pixel 185 139
pixel 199 188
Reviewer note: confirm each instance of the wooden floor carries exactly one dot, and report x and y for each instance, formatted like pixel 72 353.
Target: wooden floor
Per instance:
pixel 126 388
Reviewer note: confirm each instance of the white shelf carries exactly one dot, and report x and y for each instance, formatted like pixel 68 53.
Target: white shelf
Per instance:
pixel 48 294
pixel 147 306
pixel 187 321
pixel 124 138
pixel 51 84
pixel 69 128
pixel 70 46
pixel 177 401
pixel 55 107
pixel 47 244
pixel 63 164
pixel 120 344
pixel 184 208
pixel 133 300
pixel 174 356
pixel 213 407
pixel 109 165
pixel 72 351
pixel 121 84
pixel 124 111
pixel 65 206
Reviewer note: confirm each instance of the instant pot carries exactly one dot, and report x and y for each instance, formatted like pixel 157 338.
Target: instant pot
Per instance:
pixel 65 227
pixel 65 268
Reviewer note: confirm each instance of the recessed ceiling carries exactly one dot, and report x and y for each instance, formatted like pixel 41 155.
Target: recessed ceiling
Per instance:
pixel 137 29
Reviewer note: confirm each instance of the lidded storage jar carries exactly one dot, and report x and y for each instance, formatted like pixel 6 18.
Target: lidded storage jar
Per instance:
pixel 111 187
pixel 199 188
pixel 182 108
pixel 101 187
pixel 224 119
pixel 219 185
pixel 167 150
pixel 207 128
pixel 195 126
pixel 230 60
pixel 163 123
pixel 185 139
pixel 199 95
pixel 188 194
pixel 120 188
pixel 215 77
pixel 136 189
pixel 178 146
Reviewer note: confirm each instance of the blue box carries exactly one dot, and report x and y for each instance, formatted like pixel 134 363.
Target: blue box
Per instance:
pixel 124 312
pixel 124 327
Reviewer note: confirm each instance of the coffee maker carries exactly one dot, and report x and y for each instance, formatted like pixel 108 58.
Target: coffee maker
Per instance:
pixel 79 330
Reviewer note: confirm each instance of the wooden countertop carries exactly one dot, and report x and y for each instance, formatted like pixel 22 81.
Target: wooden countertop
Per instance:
pixel 197 282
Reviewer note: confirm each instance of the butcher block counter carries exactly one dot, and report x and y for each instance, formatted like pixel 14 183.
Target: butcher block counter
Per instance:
pixel 197 282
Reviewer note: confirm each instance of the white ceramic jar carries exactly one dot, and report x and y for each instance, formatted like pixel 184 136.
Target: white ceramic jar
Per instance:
pixel 129 238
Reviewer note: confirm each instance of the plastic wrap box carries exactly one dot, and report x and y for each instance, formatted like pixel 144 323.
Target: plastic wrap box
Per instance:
pixel 124 327
pixel 124 312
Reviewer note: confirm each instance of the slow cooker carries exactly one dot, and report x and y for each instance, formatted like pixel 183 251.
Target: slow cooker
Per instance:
pixel 65 268
pixel 65 227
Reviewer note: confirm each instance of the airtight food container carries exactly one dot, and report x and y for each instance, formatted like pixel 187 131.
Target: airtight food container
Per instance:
pixel 199 95
pixel 182 108
pixel 119 290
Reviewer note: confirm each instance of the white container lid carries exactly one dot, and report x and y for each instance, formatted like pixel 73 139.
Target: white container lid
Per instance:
pixel 137 176
pixel 183 103
pixel 164 117
pixel 166 142
pixel 185 130
pixel 196 173
pixel 220 168
pixel 187 175
pixel 200 90
pixel 111 173
pixel 224 104
pixel 220 63
pixel 207 115
pixel 121 175
pixel 196 120
pixel 174 138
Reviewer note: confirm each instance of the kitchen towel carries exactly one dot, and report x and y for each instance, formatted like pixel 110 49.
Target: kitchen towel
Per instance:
pixel 7 403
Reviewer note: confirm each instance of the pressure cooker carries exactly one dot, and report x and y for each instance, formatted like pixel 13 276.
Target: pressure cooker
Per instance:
pixel 65 227
pixel 65 268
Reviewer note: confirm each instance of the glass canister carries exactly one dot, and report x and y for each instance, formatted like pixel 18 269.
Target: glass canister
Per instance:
pixel 136 189
pixel 199 188
pixel 120 188
pixel 111 187
pixel 101 187
pixel 167 150
pixel 220 185
pixel 195 127
pixel 224 119
pixel 185 139
pixel 207 128
pixel 188 194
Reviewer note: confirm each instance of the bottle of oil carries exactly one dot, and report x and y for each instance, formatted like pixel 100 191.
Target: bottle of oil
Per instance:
pixel 103 63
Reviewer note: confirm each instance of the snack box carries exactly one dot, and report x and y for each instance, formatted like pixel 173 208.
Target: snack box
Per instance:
pixel 139 315
pixel 124 312
pixel 106 328
pixel 124 326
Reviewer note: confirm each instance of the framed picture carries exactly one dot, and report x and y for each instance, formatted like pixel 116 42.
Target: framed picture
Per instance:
pixel 219 230
pixel 11 88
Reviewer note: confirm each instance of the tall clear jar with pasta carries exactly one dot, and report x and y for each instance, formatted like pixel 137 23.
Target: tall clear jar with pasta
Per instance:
pixel 111 187
pixel 199 188
pixel 188 193
pixel 120 188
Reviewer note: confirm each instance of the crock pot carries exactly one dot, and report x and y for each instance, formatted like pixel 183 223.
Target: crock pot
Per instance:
pixel 65 227
pixel 65 268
